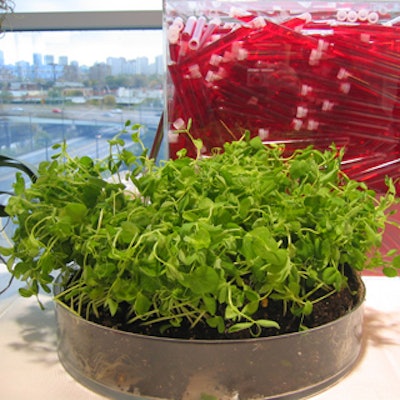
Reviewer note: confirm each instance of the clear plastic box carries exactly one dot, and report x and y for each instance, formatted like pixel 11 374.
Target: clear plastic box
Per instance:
pixel 293 72
pixel 127 366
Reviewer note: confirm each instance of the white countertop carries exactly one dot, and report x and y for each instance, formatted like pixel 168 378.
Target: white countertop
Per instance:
pixel 29 366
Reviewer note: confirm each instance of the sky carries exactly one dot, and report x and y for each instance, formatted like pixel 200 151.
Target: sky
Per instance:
pixel 86 47
pixel 85 5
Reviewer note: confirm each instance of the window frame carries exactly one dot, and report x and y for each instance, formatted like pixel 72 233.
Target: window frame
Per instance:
pixel 83 20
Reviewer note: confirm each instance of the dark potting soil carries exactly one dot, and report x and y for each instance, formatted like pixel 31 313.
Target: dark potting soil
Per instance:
pixel 325 311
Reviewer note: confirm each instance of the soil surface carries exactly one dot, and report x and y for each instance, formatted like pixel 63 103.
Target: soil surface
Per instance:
pixel 325 311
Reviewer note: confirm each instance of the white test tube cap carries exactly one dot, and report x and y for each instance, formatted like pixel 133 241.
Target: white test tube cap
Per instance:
pixel 342 74
pixel 173 137
pixel 297 124
pixel 179 124
pixel 327 105
pixel 373 17
pixel 315 56
pixel 215 59
pixel 236 12
pixel 301 112
pixel 253 100
pixel 178 23
pixel 352 16
pixel 194 71
pixel 363 14
pixel 345 87
pixel 263 133
pixel 312 125
pixel 258 22
pixel 173 34
pixel 305 90
pixel 306 16
pixel 365 37
pixel 341 15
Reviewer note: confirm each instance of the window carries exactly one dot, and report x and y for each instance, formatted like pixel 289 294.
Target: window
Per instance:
pixel 70 71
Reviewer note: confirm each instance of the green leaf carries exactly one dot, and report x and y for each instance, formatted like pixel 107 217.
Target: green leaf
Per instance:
pixel 75 212
pixel 129 230
pixel 116 141
pixel 210 304
pixel 203 280
pixel 267 323
pixel 307 308
pixel 330 275
pixel 199 239
pixel 278 259
pixel 396 262
pixel 216 322
pixel 390 272
pixel 230 312
pixel 142 304
pixel 86 161
pixel 112 306
pixel 250 308
pixel 251 295
pixel 5 251
pixel 104 270
pixel 26 292
pixel 190 216
pixel 240 327
pixel 245 206
pixel 198 143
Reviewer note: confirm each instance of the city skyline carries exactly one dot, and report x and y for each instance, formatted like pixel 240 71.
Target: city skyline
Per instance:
pixel 85 47
pixel 48 68
pixel 38 59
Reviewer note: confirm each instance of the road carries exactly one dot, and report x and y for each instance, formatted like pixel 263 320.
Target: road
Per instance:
pixel 97 147
pixel 94 145
pixel 26 112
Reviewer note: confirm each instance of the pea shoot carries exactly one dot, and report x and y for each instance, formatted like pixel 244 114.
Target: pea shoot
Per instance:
pixel 205 240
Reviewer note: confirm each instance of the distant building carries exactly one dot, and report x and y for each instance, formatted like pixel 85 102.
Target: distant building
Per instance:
pixel 37 60
pixel 44 68
pixel 142 65
pixel 63 60
pixel 71 72
pixel 37 66
pixel 159 61
pixel 130 67
pixel 99 72
pixel 22 70
pixel 49 59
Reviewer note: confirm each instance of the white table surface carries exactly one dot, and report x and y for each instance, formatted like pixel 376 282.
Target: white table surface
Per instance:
pixel 30 370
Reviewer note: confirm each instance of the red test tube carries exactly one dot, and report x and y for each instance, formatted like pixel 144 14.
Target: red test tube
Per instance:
pixel 187 33
pixel 194 41
pixel 217 47
pixel 209 30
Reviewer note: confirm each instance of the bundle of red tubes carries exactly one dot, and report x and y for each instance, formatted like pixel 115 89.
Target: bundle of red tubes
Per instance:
pixel 316 77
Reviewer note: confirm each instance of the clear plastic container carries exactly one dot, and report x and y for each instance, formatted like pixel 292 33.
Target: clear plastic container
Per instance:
pixel 293 72
pixel 124 365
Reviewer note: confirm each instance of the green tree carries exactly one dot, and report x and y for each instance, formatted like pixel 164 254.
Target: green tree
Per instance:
pixel 109 101
pixel 5 96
